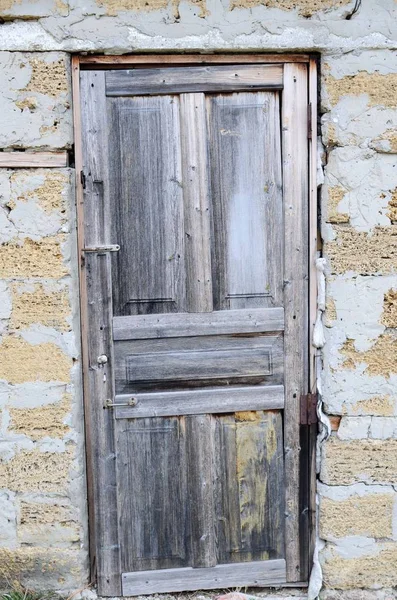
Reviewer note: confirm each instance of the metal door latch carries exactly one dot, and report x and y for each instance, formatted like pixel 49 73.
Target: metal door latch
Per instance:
pixel 131 402
pixel 102 249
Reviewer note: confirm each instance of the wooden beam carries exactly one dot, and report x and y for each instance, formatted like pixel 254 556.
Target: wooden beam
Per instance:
pixel 180 80
pixel 112 62
pixel 296 297
pixel 254 574
pixel 23 160
pixel 83 309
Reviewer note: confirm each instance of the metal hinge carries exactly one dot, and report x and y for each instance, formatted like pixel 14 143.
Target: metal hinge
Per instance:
pixel 82 179
pixel 308 409
pixel 309 121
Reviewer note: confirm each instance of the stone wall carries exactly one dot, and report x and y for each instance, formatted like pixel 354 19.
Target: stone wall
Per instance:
pixel 42 500
pixel 42 486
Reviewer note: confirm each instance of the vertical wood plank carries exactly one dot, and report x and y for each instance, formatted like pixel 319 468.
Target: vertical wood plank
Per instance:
pixel 313 208
pixel 199 440
pixel 83 307
pixel 295 161
pixel 152 493
pixel 249 486
pixel 313 222
pixel 227 509
pixel 100 385
pixel 196 203
pixel 246 200
pixel 146 195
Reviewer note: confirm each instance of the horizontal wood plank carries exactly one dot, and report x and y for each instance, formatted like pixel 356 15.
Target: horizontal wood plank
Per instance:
pixel 176 80
pixel 144 365
pixel 15 160
pixel 185 59
pixel 254 574
pixel 201 401
pixel 223 322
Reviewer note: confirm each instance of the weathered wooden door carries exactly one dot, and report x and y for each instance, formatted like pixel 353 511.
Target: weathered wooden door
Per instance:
pixel 195 266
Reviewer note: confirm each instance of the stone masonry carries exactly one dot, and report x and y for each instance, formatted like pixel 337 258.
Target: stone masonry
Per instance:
pixel 43 516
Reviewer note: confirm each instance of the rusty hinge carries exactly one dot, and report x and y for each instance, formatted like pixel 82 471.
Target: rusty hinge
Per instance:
pixel 309 121
pixel 82 179
pixel 308 409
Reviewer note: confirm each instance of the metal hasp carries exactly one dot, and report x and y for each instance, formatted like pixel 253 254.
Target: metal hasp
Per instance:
pixel 102 249
pixel 131 402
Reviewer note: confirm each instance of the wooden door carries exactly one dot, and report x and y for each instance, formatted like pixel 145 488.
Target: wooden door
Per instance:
pixel 195 266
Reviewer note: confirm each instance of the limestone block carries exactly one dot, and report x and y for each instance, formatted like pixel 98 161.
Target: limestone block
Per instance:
pixel 370 461
pixel 42 422
pixel 360 188
pixel 36 471
pixel 35 96
pixel 32 9
pixel 47 304
pixel 361 252
pixel 31 258
pixel 22 362
pixel 371 568
pixel 43 523
pixel 305 8
pixel 39 201
pixel 349 511
pixel 35 568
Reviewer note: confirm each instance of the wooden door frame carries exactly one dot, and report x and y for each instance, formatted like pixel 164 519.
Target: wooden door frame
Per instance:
pixel 300 71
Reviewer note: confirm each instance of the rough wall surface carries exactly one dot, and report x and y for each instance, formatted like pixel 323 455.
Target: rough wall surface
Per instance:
pixel 42 483
pixel 42 498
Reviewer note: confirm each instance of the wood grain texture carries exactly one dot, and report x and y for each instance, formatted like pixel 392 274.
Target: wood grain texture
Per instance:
pixel 196 203
pixel 201 358
pixel 83 310
pixel 201 401
pixel 255 574
pixel 152 493
pixel 257 320
pixel 295 180
pixel 100 383
pixel 247 200
pixel 313 218
pixel 101 61
pixel 159 364
pixel 147 200
pixel 249 486
pixel 312 433
pixel 177 80
pixel 18 160
pixel 200 459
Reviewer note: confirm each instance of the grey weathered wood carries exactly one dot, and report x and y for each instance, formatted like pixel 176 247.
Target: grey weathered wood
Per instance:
pixel 295 181
pixel 190 360
pixel 100 383
pixel 103 61
pixel 223 322
pixel 226 482
pixel 199 454
pixel 254 574
pixel 196 203
pixel 152 493
pixel 147 202
pixel 200 401
pixel 177 80
pixel 15 160
pixel 250 486
pixel 247 200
